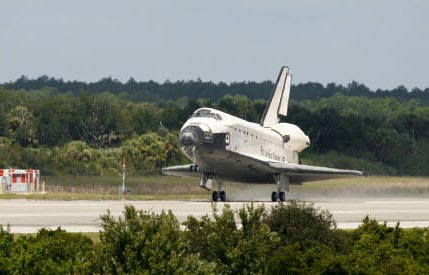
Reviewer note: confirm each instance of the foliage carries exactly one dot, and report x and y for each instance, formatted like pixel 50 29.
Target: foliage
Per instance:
pixel 235 251
pixel 49 252
pixel 299 222
pixel 6 245
pixel 376 248
pixel 149 91
pixel 144 242
pixel 381 132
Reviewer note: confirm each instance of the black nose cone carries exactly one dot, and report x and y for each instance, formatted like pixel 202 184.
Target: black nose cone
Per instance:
pixel 188 138
pixel 191 136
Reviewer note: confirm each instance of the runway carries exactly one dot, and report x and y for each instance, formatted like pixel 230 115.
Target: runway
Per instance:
pixel 27 216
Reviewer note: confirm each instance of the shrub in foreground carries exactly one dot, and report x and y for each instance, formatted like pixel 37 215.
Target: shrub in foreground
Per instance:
pixel 302 223
pixel 49 252
pixel 292 238
pixel 144 242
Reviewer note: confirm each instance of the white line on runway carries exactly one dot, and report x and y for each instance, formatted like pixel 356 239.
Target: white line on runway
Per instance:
pixel 84 216
pixel 56 214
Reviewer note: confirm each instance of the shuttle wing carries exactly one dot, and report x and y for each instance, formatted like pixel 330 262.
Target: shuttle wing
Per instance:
pixel 186 170
pixel 299 173
pixel 304 173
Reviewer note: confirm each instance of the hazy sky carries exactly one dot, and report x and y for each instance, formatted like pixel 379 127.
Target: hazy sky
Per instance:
pixel 380 43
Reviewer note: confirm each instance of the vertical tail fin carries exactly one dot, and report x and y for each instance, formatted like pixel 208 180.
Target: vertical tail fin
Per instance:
pixel 279 101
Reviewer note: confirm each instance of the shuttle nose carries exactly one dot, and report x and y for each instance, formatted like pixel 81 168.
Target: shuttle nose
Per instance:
pixel 188 138
pixel 191 135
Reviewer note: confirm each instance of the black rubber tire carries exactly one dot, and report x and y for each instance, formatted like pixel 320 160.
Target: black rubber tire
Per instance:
pixel 274 196
pixel 222 196
pixel 282 196
pixel 215 196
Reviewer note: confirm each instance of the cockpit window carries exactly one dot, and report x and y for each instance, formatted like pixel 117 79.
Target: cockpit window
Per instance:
pixel 207 114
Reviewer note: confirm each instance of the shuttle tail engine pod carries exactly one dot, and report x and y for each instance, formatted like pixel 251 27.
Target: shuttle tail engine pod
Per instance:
pixel 293 137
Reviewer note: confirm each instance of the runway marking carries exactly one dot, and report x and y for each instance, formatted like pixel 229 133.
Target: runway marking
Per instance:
pixel 68 228
pixel 55 214
pixel 402 224
pixel 378 211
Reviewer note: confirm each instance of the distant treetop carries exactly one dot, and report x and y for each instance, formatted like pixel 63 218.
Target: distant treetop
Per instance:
pixel 142 91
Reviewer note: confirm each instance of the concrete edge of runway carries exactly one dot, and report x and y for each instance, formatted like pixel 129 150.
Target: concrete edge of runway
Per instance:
pixel 26 216
pixel 96 229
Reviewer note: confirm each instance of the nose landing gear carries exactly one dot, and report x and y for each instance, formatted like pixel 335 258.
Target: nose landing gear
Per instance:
pixel 216 195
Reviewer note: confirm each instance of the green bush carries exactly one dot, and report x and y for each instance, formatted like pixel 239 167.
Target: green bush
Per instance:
pixel 50 252
pixel 234 250
pixel 302 223
pixel 293 238
pixel 143 242
pixel 6 245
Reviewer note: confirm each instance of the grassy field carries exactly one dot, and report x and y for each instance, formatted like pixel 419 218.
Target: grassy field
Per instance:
pixel 106 188
pixel 377 186
pixel 164 187
pixel 143 185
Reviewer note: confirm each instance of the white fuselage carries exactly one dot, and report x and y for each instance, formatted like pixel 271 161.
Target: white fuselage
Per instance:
pixel 282 142
pixel 225 147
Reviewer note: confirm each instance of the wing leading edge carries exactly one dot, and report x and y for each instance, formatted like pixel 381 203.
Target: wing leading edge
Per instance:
pixel 299 173
pixel 305 173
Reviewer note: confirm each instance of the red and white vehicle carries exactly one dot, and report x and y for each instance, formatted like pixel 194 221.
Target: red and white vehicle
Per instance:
pixel 20 180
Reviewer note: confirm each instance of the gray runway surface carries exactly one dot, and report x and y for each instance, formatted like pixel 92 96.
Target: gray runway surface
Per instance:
pixel 27 216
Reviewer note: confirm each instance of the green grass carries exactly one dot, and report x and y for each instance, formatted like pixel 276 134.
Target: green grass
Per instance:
pixel 335 159
pixel 93 196
pixel 106 188
pixel 143 185
pixel 184 188
pixel 369 186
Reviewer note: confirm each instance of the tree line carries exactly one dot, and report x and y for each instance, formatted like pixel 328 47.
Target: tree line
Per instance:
pixel 150 90
pixel 90 133
pixel 287 239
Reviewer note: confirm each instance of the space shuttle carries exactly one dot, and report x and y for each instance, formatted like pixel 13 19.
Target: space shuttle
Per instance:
pixel 224 147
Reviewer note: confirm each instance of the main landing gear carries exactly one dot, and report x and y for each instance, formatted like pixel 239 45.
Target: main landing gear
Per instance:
pixel 219 194
pixel 280 196
pixel 216 195
pixel 282 182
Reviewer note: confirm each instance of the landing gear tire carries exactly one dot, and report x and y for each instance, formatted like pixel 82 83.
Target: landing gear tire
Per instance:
pixel 222 196
pixel 282 196
pixel 282 181
pixel 215 196
pixel 274 196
